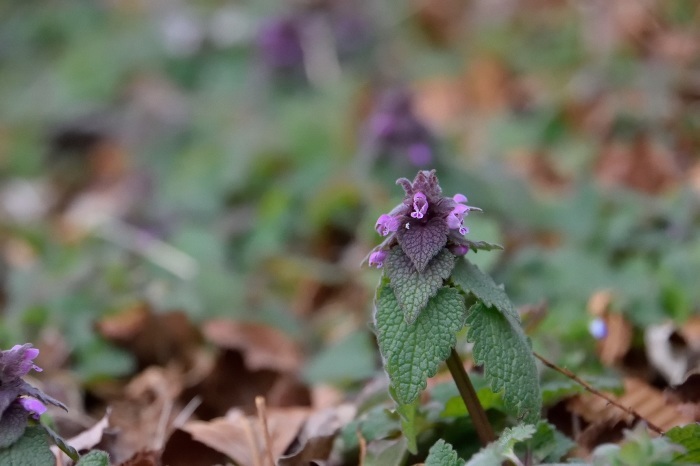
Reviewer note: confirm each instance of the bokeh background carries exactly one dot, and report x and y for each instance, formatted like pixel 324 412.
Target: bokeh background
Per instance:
pixel 170 167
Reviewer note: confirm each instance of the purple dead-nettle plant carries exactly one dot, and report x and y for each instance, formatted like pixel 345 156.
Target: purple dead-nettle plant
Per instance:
pixel 424 223
pixel 428 292
pixel 18 399
pixel 395 129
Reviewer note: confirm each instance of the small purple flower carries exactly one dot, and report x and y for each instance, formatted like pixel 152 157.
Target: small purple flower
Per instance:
pixel 386 224
pixel 17 362
pixel 455 219
pixel 598 328
pixel 34 407
pixel 459 249
pixel 420 205
pixel 459 198
pixel 376 259
pixel 279 43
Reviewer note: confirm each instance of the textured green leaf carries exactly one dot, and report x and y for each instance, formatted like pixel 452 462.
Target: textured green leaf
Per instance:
pixel 509 365
pixel 483 246
pixel 32 449
pixel 408 415
pixel 412 288
pixel 689 438
pixel 94 458
pixel 413 352
pixel 61 444
pixel 502 449
pixel 472 280
pixel 12 424
pixel 422 242
pixel 548 445
pixel 442 454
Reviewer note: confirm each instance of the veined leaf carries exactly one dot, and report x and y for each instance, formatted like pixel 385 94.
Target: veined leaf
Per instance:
pixel 509 366
pixel 442 454
pixel 413 352
pixel 412 288
pixel 496 452
pixel 31 449
pixel 689 438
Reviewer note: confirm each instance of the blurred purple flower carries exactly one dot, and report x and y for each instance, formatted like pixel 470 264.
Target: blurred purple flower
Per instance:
pixel 17 362
pixel 394 128
pixel 279 43
pixel 376 259
pixel 598 328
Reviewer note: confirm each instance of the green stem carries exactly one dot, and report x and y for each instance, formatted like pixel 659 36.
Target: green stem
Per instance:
pixel 468 394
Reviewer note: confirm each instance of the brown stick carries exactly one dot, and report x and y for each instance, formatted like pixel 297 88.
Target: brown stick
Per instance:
pixel 466 390
pixel 588 387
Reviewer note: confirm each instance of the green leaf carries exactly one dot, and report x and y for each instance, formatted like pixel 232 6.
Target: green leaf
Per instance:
pixel 502 449
pixel 689 438
pixel 32 449
pixel 413 352
pixel 422 242
pixel 408 415
pixel 472 280
pixel 442 454
pixel 351 359
pixel 548 444
pixel 390 452
pixel 509 365
pixel 12 424
pixel 94 458
pixel 61 444
pixel 412 288
pixel 483 246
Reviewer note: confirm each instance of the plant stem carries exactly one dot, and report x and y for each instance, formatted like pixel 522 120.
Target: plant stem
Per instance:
pixel 466 390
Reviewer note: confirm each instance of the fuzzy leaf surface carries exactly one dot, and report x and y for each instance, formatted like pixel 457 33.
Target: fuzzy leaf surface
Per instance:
pixel 413 352
pixel 502 449
pixel 472 280
pixel 422 242
pixel 689 438
pixel 94 458
pixel 548 445
pixel 408 414
pixel 12 424
pixel 412 288
pixel 509 365
pixel 442 454
pixel 32 449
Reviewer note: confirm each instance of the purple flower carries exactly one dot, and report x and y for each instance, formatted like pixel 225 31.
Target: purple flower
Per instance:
pixel 279 42
pixel 598 329
pixel 376 259
pixel 17 362
pixel 34 407
pixel 424 223
pixel 395 129
pixel 420 205
pixel 386 224
pixel 459 249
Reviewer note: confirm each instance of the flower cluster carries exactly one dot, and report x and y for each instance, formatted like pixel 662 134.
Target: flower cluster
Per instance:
pixel 424 223
pixel 397 130
pixel 285 43
pixel 18 399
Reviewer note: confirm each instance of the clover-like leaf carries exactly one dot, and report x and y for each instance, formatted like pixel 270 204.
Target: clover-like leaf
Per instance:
pixel 472 280
pixel 689 438
pixel 412 288
pixel 421 242
pixel 413 352
pixel 12 424
pixel 509 365
pixel 442 454
pixel 31 449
